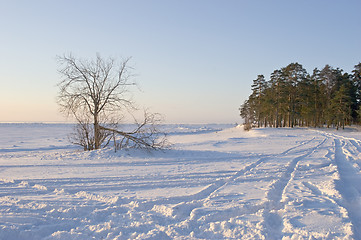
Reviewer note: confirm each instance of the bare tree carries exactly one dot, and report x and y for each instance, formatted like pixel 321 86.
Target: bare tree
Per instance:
pixel 96 93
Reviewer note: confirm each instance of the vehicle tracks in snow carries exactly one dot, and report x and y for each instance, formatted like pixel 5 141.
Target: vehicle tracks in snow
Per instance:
pixel 186 215
pixel 272 220
pixel 348 185
pixel 192 209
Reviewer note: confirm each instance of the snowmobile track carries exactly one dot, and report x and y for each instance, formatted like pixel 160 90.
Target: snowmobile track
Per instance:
pixel 273 223
pixel 349 186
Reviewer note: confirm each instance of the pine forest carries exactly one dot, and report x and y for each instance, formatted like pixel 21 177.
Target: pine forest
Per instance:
pixel 292 97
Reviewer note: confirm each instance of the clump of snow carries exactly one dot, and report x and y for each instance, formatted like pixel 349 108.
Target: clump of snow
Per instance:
pixel 40 187
pixel 59 191
pixel 94 197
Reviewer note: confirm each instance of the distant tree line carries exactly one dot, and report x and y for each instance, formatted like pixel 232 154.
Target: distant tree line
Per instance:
pixel 292 97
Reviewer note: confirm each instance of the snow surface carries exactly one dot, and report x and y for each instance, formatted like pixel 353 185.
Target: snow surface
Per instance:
pixel 218 182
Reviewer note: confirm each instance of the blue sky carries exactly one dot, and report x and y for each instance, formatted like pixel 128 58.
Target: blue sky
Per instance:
pixel 194 60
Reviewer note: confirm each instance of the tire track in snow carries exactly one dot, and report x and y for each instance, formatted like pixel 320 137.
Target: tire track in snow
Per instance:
pixel 210 190
pixel 189 203
pixel 191 209
pixel 354 142
pixel 297 146
pixel 187 206
pixel 348 186
pixel 272 221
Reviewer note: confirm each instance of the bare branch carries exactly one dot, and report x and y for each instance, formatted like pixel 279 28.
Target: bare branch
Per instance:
pixel 146 135
pixel 96 94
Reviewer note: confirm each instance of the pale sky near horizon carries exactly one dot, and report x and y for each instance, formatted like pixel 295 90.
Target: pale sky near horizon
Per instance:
pixel 193 59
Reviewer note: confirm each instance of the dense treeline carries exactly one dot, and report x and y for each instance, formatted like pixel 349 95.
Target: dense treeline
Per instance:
pixel 293 97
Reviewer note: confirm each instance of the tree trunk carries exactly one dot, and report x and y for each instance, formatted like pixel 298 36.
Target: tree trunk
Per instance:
pixel 96 132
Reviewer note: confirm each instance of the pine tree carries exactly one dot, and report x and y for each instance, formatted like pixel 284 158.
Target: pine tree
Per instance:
pixel 329 76
pixel 340 105
pixel 277 97
pixel 319 101
pixel 294 73
pixel 258 88
pixel 356 78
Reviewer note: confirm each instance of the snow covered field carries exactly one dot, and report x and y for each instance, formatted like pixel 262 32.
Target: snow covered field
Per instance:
pixel 218 182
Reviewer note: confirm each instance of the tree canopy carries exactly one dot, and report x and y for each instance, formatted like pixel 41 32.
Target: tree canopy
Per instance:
pixel 292 97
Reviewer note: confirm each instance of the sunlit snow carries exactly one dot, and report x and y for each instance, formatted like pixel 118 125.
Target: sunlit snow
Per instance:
pixel 217 182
